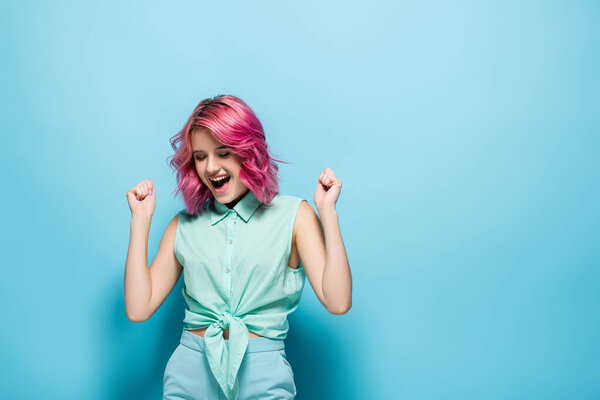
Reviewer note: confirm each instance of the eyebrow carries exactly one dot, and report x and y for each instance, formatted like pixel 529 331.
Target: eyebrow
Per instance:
pixel 218 148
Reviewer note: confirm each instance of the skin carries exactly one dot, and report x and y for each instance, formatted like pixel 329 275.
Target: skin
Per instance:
pixel 213 159
pixel 316 242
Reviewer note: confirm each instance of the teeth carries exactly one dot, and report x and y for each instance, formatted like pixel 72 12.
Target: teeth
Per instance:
pixel 219 179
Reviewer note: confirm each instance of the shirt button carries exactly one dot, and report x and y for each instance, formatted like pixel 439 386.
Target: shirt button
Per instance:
pixel 227 270
pixel 230 241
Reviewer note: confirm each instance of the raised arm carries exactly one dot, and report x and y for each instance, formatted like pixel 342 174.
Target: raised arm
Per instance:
pixel 321 248
pixel 147 288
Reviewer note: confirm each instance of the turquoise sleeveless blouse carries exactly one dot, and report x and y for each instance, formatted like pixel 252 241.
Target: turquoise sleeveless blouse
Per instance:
pixel 236 275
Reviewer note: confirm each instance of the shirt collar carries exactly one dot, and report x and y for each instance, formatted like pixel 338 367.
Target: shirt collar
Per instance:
pixel 245 207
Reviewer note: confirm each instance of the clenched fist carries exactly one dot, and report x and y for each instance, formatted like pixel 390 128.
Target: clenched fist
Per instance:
pixel 142 199
pixel 328 189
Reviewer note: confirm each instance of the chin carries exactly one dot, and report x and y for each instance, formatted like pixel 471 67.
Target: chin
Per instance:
pixel 226 199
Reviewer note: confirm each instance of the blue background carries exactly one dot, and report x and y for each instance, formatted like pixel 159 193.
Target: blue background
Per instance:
pixel 466 137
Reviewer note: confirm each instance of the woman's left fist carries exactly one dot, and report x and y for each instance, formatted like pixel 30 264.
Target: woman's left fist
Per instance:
pixel 328 189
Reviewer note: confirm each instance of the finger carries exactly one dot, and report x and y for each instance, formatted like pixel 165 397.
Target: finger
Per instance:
pixel 133 195
pixel 130 195
pixel 323 181
pixel 145 188
pixel 325 185
pixel 150 187
pixel 139 191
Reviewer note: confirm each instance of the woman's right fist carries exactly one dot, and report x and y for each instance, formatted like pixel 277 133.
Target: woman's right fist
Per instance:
pixel 142 198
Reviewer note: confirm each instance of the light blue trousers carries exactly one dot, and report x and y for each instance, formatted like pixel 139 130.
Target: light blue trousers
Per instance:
pixel 264 373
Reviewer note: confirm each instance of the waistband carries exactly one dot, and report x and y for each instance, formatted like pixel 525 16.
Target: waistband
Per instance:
pixel 255 345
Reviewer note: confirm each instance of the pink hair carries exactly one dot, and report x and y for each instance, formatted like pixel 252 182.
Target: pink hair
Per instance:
pixel 233 123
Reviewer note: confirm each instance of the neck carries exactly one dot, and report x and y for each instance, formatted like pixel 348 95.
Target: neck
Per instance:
pixel 234 202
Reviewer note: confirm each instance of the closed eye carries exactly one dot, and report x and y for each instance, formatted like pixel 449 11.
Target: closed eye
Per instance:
pixel 222 155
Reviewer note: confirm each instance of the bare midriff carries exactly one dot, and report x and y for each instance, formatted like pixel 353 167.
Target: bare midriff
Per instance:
pixel 200 332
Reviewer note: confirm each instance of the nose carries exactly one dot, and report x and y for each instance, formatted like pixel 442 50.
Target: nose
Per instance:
pixel 212 166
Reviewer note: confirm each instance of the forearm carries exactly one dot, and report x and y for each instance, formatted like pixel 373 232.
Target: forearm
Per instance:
pixel 337 279
pixel 138 287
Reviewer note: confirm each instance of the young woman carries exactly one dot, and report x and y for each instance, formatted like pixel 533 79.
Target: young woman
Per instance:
pixel 244 250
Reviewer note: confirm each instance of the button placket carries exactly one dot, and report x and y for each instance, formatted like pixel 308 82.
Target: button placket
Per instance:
pixel 227 285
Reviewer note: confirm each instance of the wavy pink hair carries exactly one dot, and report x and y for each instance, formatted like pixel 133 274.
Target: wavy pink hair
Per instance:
pixel 233 123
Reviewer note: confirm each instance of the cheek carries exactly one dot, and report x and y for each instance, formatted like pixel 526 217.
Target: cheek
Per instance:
pixel 237 176
pixel 200 172
pixel 239 180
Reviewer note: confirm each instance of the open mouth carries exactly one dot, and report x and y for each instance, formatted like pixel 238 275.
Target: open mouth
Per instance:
pixel 221 183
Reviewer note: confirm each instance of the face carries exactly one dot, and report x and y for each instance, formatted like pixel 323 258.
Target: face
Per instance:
pixel 218 167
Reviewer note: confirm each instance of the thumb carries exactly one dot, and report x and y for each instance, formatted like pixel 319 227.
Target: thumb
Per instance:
pixel 131 196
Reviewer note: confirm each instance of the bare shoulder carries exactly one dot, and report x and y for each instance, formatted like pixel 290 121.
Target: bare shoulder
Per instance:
pixel 172 227
pixel 306 218
pixel 305 212
pixel 171 231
